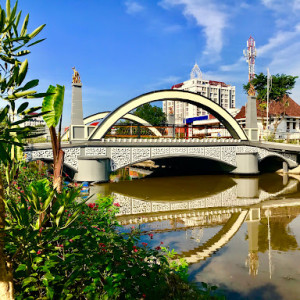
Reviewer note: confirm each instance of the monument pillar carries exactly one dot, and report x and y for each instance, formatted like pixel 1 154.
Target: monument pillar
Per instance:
pixel 77 128
pixel 171 121
pixel 251 116
pixel 76 112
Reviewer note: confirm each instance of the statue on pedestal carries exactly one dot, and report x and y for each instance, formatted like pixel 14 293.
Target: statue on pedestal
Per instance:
pixel 251 91
pixel 75 77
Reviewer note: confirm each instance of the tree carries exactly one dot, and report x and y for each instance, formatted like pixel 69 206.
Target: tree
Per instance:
pixel 152 114
pixel 279 91
pixel 53 104
pixel 13 40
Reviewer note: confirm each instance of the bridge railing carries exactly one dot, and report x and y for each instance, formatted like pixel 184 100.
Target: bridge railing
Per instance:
pixel 170 131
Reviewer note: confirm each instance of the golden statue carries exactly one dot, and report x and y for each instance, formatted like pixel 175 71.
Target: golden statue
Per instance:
pixel 171 112
pixel 75 77
pixel 251 91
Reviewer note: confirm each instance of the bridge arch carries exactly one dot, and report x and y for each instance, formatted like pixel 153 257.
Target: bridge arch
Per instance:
pixel 229 165
pixel 102 115
pixel 276 163
pixel 219 240
pixel 130 117
pixel 175 95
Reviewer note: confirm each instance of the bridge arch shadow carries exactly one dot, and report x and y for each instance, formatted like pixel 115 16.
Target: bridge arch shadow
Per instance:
pixel 178 165
pixel 271 163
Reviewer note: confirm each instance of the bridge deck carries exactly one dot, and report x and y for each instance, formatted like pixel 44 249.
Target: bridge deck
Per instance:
pixel 278 147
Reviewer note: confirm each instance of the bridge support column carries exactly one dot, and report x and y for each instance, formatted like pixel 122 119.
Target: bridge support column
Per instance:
pixel 285 167
pixel 93 169
pixel 246 164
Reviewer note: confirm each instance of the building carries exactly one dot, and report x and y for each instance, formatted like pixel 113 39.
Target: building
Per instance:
pixel 219 92
pixel 288 126
pixel 35 121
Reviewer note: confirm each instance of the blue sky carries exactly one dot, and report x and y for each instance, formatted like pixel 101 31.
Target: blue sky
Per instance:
pixel 123 48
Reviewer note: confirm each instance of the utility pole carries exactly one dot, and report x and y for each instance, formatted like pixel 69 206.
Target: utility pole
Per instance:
pixel 269 79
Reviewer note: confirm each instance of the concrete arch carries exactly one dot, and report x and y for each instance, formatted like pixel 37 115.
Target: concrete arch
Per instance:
pixel 221 114
pixel 219 240
pixel 102 115
pixel 290 163
pixel 129 116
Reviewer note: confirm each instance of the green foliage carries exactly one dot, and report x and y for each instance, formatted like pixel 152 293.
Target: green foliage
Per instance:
pixel 77 251
pixel 14 38
pixel 152 114
pixel 281 85
pixel 53 104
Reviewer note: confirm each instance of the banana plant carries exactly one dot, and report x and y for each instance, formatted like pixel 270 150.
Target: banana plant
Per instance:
pixel 53 104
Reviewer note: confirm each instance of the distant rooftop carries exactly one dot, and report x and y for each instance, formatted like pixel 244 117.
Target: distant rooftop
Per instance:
pixel 275 108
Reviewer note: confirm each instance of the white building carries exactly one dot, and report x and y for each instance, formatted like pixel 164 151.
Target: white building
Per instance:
pixel 219 92
pixel 286 116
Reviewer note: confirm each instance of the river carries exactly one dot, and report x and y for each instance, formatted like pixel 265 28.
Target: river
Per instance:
pixel 241 234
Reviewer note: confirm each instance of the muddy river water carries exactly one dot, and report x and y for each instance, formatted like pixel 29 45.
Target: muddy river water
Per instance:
pixel 241 234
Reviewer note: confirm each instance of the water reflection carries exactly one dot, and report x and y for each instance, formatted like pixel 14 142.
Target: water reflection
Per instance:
pixel 224 226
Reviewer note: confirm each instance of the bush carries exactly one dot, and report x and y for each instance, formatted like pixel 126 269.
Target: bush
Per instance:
pixel 63 249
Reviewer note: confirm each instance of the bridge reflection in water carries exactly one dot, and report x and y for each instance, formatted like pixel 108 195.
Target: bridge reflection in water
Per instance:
pixel 227 228
pixel 227 201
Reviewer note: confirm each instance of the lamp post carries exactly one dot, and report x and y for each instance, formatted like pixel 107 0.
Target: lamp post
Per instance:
pixel 268 92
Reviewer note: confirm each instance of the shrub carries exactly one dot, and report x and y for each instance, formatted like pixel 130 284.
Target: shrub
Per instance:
pixel 63 249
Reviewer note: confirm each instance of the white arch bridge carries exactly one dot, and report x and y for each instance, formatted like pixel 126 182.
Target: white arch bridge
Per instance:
pixel 94 161
pixel 92 157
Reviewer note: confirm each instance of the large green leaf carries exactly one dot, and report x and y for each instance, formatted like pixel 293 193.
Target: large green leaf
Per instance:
pixel 54 105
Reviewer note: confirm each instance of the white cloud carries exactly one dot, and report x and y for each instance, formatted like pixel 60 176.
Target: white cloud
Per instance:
pixel 282 38
pixel 133 7
pixel 282 6
pixel 165 82
pixel 238 65
pixel 208 15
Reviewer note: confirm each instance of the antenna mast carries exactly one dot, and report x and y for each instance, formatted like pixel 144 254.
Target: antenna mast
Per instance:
pixel 250 54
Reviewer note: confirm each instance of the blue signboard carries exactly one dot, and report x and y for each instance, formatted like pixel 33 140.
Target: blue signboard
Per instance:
pixel 191 120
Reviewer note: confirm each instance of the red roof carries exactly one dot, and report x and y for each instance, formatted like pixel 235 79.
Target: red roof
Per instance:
pixel 177 86
pixel 275 108
pixel 94 124
pixel 32 113
pixel 212 82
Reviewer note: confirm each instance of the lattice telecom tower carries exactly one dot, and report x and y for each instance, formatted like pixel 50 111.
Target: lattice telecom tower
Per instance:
pixel 250 54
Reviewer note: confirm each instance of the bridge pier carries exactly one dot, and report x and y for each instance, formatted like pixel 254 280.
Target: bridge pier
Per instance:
pixel 246 163
pixel 93 169
pixel 285 167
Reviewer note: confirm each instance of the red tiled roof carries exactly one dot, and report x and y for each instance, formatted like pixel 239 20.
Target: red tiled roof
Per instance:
pixel 177 86
pixel 241 114
pixel 223 84
pixel 275 108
